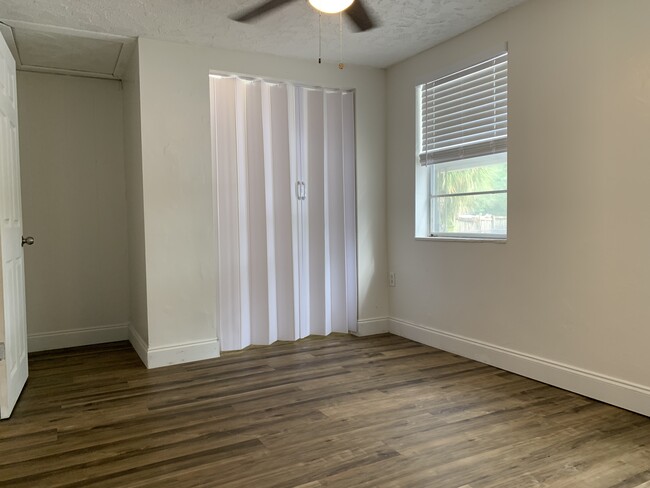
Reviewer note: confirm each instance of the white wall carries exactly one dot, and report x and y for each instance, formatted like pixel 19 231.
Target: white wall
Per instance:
pixel 72 169
pixel 178 195
pixel 566 298
pixel 139 333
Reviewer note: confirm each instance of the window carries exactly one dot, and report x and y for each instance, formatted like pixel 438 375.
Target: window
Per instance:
pixel 463 153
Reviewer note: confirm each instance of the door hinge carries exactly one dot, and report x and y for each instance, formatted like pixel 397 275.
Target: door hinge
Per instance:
pixel 2 351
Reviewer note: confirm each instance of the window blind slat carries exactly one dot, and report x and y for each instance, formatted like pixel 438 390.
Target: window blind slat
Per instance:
pixel 486 91
pixel 466 136
pixel 497 60
pixel 465 152
pixel 496 101
pixel 464 126
pixel 469 82
pixel 474 139
pixel 478 110
pixel 494 78
pixel 458 124
pixel 465 114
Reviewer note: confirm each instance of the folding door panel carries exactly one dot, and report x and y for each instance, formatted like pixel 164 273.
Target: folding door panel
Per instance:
pixel 314 167
pixel 257 217
pixel 279 193
pixel 334 215
pixel 350 208
pixel 225 150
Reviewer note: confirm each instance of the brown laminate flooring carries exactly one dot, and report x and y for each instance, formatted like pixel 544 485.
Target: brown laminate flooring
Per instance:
pixel 323 412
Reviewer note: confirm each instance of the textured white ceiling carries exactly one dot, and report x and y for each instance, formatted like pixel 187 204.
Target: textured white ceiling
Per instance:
pixel 406 26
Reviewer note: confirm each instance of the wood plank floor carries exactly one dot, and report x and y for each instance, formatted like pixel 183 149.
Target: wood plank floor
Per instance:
pixel 329 412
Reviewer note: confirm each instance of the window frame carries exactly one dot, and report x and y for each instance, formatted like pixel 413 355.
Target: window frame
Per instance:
pixel 424 175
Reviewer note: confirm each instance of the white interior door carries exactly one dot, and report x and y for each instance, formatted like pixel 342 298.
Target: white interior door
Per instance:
pixel 13 326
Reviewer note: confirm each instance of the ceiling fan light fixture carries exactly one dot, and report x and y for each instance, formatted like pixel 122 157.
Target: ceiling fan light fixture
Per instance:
pixel 331 6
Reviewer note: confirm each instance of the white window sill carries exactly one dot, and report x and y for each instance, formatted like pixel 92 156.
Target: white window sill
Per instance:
pixel 493 240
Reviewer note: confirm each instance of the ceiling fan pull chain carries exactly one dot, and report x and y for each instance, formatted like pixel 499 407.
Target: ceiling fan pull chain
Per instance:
pixel 320 39
pixel 341 65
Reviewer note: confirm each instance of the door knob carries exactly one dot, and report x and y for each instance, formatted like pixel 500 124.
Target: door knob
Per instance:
pixel 28 240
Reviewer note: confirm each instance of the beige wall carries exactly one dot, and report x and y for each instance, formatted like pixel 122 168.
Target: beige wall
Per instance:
pixel 135 205
pixel 178 195
pixel 571 285
pixel 74 204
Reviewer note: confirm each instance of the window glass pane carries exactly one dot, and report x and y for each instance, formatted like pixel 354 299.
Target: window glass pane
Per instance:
pixel 485 173
pixel 471 214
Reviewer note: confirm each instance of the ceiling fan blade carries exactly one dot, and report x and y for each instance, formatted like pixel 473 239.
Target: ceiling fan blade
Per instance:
pixel 360 16
pixel 250 14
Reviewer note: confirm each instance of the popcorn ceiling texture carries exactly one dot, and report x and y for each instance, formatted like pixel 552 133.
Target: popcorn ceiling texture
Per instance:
pixel 407 26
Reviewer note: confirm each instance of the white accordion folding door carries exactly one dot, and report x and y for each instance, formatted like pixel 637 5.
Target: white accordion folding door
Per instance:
pixel 284 159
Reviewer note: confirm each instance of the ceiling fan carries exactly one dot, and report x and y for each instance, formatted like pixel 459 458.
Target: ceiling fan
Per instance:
pixel 354 9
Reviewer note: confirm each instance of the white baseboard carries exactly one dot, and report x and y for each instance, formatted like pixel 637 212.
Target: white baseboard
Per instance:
pixel 60 339
pixel 368 327
pixel 158 357
pixel 139 345
pixel 183 353
pixel 610 390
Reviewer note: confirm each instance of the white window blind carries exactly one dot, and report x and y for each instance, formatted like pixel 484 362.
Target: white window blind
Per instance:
pixel 465 114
